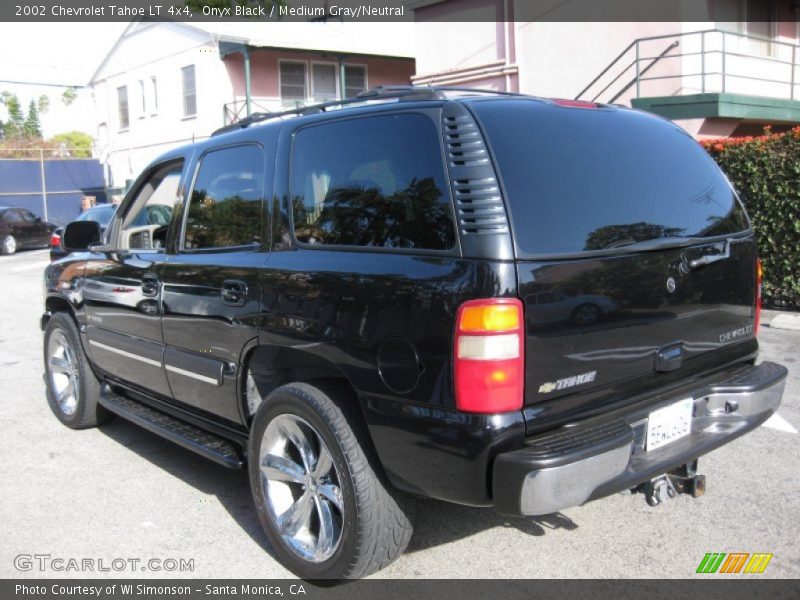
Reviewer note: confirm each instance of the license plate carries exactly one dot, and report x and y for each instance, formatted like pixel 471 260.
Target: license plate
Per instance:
pixel 670 423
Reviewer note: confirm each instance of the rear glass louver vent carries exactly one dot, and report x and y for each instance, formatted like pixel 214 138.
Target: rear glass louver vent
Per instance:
pixel 479 206
pixel 465 147
pixel 478 202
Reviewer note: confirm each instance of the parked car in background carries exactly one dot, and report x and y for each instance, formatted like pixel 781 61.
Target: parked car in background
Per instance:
pixel 20 228
pixel 100 214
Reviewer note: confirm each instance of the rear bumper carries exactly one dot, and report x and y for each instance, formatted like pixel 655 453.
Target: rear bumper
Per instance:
pixel 578 463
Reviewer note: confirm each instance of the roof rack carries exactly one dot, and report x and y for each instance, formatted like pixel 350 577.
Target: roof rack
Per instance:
pixel 381 92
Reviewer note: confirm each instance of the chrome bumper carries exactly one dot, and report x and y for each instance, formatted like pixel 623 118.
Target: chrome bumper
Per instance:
pixel 575 464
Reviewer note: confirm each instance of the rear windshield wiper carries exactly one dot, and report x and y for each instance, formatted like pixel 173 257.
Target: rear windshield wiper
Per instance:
pixel 654 244
pixel 707 259
pixel 723 248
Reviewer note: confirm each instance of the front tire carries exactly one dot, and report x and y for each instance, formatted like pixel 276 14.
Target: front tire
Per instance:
pixel 9 245
pixel 71 386
pixel 324 507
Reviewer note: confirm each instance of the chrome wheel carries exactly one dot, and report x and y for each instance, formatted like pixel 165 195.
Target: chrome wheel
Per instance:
pixel 9 245
pixel 302 488
pixel 252 394
pixel 63 372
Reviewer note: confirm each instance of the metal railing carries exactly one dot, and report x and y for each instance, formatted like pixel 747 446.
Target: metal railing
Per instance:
pixel 711 60
pixel 237 110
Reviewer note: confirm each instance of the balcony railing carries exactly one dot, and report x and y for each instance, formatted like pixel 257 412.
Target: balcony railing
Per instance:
pixel 233 111
pixel 711 60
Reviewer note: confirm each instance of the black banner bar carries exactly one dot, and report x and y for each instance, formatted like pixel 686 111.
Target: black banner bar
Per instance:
pixel 287 11
pixel 705 587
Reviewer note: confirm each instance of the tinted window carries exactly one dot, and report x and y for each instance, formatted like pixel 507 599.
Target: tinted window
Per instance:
pixel 12 216
pixel 225 206
pixel 157 195
pixel 101 215
pixel 375 182
pixel 592 179
pixel 27 215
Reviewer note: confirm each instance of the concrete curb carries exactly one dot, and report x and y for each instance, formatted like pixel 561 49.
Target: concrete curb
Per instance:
pixel 786 321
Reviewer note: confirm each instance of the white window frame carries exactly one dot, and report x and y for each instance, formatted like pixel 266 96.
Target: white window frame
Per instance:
pixel 154 92
pixel 123 126
pixel 366 76
pixel 336 87
pixel 143 93
pixel 183 93
pixel 306 85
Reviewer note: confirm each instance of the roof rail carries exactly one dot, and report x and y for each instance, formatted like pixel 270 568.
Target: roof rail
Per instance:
pixel 381 92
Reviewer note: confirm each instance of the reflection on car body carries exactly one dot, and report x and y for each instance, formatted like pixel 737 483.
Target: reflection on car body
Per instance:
pixel 556 306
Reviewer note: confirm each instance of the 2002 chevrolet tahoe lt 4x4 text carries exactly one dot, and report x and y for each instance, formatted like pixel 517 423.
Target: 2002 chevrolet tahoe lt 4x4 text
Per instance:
pixel 494 300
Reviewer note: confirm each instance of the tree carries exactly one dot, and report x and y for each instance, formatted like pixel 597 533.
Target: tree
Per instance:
pixel 32 128
pixel 15 125
pixel 77 143
pixel 43 103
pixel 69 95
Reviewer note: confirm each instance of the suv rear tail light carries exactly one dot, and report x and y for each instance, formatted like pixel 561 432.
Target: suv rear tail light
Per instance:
pixel 55 241
pixel 759 277
pixel 489 356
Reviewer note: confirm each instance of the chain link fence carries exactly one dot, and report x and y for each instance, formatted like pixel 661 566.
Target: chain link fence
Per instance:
pixel 51 181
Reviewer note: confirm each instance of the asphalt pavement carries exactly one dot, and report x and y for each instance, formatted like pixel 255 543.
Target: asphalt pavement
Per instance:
pixel 119 492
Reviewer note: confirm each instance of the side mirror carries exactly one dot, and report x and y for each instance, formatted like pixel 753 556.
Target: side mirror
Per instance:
pixel 79 235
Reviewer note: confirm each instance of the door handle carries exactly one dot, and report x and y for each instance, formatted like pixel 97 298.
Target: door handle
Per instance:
pixel 150 285
pixel 234 292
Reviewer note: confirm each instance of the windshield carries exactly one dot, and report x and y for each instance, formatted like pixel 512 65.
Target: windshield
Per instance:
pixel 582 180
pixel 100 214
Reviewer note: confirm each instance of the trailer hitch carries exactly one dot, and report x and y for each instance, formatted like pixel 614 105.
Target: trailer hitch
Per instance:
pixel 683 480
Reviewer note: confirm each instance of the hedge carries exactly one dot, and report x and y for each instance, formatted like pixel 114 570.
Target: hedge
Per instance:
pixel 765 170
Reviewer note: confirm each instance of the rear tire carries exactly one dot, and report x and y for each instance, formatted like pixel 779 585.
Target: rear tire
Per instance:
pixel 9 245
pixel 71 386
pixel 324 505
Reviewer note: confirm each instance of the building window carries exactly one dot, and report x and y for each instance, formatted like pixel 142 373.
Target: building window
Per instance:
pixel 154 89
pixel 323 81
pixel 293 81
pixel 143 97
pixel 752 18
pixel 122 103
pixel 189 91
pixel 355 80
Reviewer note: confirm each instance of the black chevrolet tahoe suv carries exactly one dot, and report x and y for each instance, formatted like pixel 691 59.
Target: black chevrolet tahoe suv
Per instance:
pixel 489 299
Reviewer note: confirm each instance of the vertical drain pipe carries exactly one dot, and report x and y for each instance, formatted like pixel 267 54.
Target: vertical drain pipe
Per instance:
pixel 247 93
pixel 341 79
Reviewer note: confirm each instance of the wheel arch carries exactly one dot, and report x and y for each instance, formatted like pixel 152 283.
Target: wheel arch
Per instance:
pixel 55 303
pixel 274 366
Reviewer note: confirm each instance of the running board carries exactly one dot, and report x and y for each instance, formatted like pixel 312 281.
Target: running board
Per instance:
pixel 184 434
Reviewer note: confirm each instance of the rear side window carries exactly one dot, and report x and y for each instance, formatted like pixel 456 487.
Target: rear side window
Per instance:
pixel 375 182
pixel 12 216
pixel 581 180
pixel 225 207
